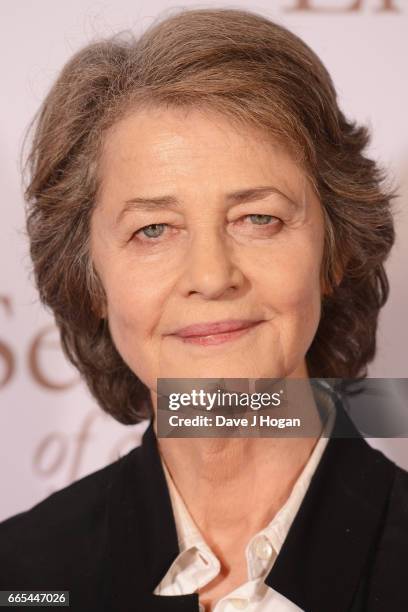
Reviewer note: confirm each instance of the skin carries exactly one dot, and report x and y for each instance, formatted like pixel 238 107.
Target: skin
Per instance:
pixel 211 261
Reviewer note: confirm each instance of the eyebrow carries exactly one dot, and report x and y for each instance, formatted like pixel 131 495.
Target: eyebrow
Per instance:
pixel 171 202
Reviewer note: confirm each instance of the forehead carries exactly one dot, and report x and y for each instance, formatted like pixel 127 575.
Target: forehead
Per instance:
pixel 158 142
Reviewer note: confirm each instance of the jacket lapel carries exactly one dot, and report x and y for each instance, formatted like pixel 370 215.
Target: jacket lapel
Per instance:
pixel 321 561
pixel 323 558
pixel 142 535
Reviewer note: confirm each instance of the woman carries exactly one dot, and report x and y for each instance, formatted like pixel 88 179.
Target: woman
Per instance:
pixel 199 207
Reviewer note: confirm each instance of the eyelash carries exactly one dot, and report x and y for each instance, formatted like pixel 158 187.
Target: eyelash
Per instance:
pixel 152 239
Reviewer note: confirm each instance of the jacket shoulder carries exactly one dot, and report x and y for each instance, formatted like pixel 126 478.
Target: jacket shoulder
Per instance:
pixel 389 571
pixel 63 533
pixel 398 509
pixel 396 515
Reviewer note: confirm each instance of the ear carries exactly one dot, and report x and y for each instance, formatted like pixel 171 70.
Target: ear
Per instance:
pixel 97 295
pixel 99 311
pixel 102 311
pixel 339 269
pixel 328 289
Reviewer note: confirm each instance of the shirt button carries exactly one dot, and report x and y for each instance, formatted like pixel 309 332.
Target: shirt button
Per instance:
pixel 239 604
pixel 263 548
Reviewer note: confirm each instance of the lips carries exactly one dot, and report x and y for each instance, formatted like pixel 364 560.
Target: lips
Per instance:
pixel 215 327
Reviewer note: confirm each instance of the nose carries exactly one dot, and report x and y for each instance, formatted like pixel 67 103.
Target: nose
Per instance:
pixel 210 269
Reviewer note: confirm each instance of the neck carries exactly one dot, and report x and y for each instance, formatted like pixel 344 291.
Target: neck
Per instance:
pixel 233 487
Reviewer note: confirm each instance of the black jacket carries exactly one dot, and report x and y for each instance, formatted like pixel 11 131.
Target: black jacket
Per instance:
pixel 110 537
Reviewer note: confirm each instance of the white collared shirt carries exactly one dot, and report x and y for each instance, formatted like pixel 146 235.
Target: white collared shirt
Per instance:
pixel 197 565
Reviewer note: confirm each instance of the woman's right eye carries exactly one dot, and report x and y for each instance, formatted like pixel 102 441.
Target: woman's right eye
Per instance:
pixel 154 230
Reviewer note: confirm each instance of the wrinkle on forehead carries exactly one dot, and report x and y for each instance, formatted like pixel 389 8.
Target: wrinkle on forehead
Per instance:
pixel 132 149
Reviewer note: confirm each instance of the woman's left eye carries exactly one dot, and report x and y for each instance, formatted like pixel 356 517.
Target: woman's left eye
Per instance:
pixel 268 223
pixel 261 219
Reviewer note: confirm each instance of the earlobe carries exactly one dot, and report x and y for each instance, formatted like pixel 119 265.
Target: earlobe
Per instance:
pixel 97 294
pixel 328 288
pixel 103 312
pixel 98 307
pixel 338 273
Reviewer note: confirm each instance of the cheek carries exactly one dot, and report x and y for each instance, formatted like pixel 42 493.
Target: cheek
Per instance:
pixel 132 296
pixel 291 277
pixel 302 302
pixel 136 302
pixel 129 315
pixel 301 292
pixel 290 290
pixel 130 319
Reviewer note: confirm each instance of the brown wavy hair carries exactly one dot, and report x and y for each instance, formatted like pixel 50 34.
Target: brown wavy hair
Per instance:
pixel 256 73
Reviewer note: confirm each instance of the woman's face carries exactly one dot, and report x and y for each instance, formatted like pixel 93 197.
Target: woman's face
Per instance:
pixel 200 222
